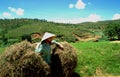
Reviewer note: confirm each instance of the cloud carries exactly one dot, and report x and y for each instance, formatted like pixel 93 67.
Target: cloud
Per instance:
pixel 71 5
pixel 12 9
pixel 116 16
pixel 18 11
pixel 90 18
pixel 94 18
pixel 80 4
pixel 6 15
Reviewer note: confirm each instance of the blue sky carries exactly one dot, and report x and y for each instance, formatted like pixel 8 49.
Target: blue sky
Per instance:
pixel 63 11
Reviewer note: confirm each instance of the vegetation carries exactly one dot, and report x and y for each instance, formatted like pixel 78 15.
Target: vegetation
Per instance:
pixel 1 49
pixel 16 28
pixel 94 58
pixel 101 58
pixel 113 30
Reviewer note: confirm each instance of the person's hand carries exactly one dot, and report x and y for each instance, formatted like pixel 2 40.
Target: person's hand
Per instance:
pixel 61 47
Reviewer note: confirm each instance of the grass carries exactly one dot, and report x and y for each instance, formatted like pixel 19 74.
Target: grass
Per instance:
pixel 2 49
pixel 96 58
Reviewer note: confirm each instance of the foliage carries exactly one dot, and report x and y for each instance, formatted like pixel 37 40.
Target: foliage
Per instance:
pixel 113 30
pixel 26 37
pixel 16 28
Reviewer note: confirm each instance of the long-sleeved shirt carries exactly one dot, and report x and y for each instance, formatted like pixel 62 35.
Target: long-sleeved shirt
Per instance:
pixel 45 49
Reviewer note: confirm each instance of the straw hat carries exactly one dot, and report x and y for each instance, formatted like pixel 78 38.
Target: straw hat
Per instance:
pixel 47 35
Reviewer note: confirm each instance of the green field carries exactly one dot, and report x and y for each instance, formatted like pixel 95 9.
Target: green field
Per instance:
pixel 98 58
pixel 2 49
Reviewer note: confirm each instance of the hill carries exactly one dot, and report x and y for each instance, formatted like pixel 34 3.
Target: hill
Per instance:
pixel 13 29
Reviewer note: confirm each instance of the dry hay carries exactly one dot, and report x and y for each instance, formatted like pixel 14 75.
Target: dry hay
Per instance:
pixel 63 61
pixel 100 73
pixel 20 60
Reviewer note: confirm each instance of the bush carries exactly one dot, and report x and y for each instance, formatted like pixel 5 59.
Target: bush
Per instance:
pixel 113 30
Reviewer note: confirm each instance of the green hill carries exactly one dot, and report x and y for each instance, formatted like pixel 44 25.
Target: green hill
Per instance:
pixel 101 59
pixel 15 28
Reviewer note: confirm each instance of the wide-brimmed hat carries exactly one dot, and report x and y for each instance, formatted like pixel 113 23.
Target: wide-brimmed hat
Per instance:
pixel 47 35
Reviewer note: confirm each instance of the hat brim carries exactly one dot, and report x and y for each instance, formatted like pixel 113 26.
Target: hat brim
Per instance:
pixel 47 36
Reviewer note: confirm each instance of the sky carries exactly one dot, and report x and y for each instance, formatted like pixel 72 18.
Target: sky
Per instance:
pixel 61 11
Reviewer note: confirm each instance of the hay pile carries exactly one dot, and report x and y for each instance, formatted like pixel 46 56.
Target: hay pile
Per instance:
pixel 20 60
pixel 63 61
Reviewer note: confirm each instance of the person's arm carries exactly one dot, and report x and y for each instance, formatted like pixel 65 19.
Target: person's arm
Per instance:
pixel 58 44
pixel 38 48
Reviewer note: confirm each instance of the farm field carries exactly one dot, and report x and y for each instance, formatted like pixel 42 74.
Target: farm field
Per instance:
pixel 96 58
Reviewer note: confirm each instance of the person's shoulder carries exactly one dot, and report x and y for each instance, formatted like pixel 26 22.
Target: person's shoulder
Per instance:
pixel 54 42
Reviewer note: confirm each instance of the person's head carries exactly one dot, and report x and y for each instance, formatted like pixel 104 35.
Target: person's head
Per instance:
pixel 48 37
pixel 49 40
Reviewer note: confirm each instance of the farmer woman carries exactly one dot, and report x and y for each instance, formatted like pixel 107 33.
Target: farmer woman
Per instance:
pixel 44 46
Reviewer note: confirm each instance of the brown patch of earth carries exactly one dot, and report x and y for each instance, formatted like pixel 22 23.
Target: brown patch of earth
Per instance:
pixel 90 38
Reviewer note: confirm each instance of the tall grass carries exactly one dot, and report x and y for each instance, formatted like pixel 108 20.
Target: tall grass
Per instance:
pixel 98 56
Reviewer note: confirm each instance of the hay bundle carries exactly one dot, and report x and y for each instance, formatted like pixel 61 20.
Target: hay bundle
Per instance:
pixel 19 60
pixel 63 61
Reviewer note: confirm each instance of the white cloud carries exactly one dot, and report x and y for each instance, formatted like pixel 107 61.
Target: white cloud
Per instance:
pixel 12 9
pixel 71 5
pixel 18 11
pixel 90 18
pixel 6 15
pixel 80 4
pixel 94 18
pixel 116 16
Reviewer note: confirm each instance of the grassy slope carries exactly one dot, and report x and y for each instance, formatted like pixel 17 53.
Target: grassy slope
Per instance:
pixel 19 27
pixel 98 58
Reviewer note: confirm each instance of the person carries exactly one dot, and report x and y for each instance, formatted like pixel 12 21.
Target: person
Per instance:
pixel 44 47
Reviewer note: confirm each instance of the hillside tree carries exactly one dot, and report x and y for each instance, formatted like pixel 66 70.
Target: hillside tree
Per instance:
pixel 112 31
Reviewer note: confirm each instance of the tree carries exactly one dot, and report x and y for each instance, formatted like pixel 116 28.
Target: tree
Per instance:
pixel 113 30
pixel 3 37
pixel 27 37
